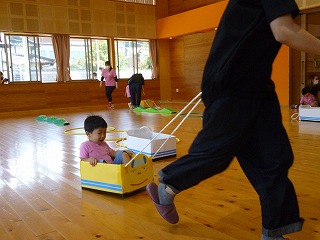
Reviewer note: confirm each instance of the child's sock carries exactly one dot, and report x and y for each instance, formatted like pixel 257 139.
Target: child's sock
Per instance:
pixel 166 195
pixel 272 238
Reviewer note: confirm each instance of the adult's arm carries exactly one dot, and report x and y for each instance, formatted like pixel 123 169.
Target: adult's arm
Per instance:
pixel 286 31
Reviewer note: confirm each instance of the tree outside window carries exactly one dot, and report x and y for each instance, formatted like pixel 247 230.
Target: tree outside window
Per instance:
pixel 132 57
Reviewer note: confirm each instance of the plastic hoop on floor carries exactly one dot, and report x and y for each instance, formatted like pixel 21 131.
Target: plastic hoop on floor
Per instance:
pixel 295 116
pixel 72 131
pixel 120 140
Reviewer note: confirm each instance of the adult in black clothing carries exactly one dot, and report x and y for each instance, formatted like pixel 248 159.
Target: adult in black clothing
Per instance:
pixel 136 87
pixel 238 75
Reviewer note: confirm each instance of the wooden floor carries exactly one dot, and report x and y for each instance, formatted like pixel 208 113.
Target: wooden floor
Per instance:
pixel 41 197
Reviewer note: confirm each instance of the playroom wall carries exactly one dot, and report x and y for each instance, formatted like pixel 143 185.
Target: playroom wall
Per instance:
pixel 190 40
pixel 181 59
pixel 180 6
pixel 97 18
pixel 184 41
pixel 25 97
pixel 79 17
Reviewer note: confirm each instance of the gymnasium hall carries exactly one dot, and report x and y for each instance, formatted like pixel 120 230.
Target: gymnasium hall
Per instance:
pixel 52 53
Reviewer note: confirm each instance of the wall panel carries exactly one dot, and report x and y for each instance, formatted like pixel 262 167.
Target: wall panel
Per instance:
pixel 179 6
pixel 188 57
pixel 88 17
pixel 37 96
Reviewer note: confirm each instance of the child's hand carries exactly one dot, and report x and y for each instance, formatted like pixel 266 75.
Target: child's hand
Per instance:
pixel 93 161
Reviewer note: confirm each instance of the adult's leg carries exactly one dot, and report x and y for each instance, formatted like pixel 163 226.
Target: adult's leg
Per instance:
pixel 226 123
pixel 133 95
pixel 138 95
pixel 266 160
pixel 109 90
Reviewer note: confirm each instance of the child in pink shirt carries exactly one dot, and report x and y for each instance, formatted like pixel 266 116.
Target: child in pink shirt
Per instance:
pixel 109 75
pixel 307 98
pixel 96 149
pixel 127 94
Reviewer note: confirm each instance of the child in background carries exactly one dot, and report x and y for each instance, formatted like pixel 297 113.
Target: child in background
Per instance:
pixel 109 75
pixel 127 94
pixel 2 79
pixel 96 149
pixel 307 98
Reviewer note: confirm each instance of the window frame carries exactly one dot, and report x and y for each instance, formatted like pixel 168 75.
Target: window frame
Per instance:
pixel 112 55
pixel 135 57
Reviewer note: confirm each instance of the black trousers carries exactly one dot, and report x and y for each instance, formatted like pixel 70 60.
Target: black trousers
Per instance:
pixel 251 130
pixel 135 92
pixel 109 90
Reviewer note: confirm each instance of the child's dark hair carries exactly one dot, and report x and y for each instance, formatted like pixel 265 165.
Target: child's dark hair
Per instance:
pixel 108 63
pixel 93 122
pixel 305 90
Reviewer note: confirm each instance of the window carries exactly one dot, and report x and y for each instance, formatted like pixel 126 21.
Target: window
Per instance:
pixel 32 59
pixel 48 61
pixel 28 58
pixel 86 57
pixel 132 57
pixel 3 58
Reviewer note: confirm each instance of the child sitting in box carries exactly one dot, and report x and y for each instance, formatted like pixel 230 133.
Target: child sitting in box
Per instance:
pixel 307 98
pixel 96 149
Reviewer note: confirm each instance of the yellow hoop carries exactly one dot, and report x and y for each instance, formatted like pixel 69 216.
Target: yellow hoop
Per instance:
pixel 70 131
pixel 120 140
pixel 113 139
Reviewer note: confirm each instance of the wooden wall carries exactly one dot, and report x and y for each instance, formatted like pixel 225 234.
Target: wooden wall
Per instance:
pixel 179 6
pixel 182 65
pixel 162 9
pixel 181 47
pixel 101 18
pixel 295 73
pixel 188 56
pixel 37 96
pixel 98 18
